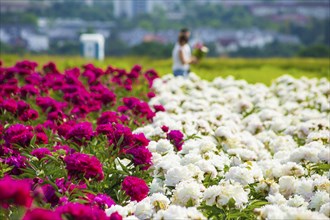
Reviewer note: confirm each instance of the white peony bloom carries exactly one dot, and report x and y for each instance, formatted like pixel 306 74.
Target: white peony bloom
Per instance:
pixel 325 209
pixel 163 146
pixel 240 175
pixel 318 200
pixel 187 193
pixel 211 194
pixel 277 199
pixel 194 214
pixel 159 201
pixel 167 162
pixel 144 209
pixel 287 185
pixel 324 155
pixel 157 186
pixel 177 174
pixel 173 212
pixel 305 188
pixel 117 208
pixel 207 167
pixel 297 201
pixel 244 154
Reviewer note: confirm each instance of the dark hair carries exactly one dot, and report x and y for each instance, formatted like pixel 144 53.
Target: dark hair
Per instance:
pixel 183 39
pixel 184 30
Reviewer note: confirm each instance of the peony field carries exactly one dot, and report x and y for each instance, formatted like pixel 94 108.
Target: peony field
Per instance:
pixel 111 144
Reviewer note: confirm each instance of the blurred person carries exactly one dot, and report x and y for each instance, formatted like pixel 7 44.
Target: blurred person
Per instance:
pixel 182 57
pixel 185 32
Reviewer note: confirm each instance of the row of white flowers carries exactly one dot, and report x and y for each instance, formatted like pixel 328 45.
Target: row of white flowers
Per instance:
pixel 244 142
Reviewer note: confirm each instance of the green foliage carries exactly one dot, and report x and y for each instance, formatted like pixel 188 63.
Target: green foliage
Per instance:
pixel 315 51
pixel 251 70
pixel 152 49
pixel 229 212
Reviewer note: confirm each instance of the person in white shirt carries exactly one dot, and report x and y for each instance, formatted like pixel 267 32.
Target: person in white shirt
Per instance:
pixel 182 57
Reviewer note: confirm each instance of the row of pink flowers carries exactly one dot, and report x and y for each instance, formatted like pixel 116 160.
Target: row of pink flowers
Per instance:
pixel 53 120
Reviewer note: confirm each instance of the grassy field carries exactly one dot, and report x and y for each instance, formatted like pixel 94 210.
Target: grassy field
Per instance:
pixel 252 70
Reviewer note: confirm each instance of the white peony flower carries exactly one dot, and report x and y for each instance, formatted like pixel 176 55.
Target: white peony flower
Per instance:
pixel 177 174
pixel 144 209
pixel 163 146
pixel 187 193
pixel 159 201
pixel 287 185
pixel 318 200
pixel 325 209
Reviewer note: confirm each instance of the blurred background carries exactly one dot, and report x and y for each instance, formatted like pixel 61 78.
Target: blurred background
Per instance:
pixel 239 28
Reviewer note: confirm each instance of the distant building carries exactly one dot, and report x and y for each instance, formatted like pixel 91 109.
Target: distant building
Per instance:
pixel 35 42
pixel 22 5
pixel 92 46
pixel 132 8
pixel 129 8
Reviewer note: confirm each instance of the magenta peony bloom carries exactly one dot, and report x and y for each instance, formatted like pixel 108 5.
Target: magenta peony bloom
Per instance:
pixel 140 140
pixel 17 192
pixel 33 79
pixel 50 68
pixel 18 162
pixel 28 90
pixel 67 186
pixel 151 75
pixel 41 152
pixel 108 117
pixel 49 194
pixel 151 95
pixel 49 104
pixel 64 128
pixel 165 128
pixel 135 187
pixel 66 148
pixel 80 131
pixel 87 165
pixel 159 108
pixel 41 214
pixel 27 65
pixel 22 107
pixel 122 109
pixel 176 138
pixel 9 105
pixel 76 211
pixel 102 201
pixel 29 114
pixel 119 131
pixel 116 216
pixel 141 156
pixel 18 134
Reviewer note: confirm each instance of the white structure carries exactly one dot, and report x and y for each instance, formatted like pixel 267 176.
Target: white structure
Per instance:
pixel 92 46
pixel 132 8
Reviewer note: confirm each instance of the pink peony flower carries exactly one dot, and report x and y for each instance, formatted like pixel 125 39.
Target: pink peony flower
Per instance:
pixel 29 114
pixel 41 152
pixel 9 105
pixel 80 131
pixel 165 128
pixel 176 138
pixel 135 187
pixel 18 162
pixel 76 211
pixel 84 164
pixel 15 192
pixel 18 134
pixel 151 95
pixel 102 201
pixel 141 156
pixel 115 216
pixel 41 214
pixel 159 108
